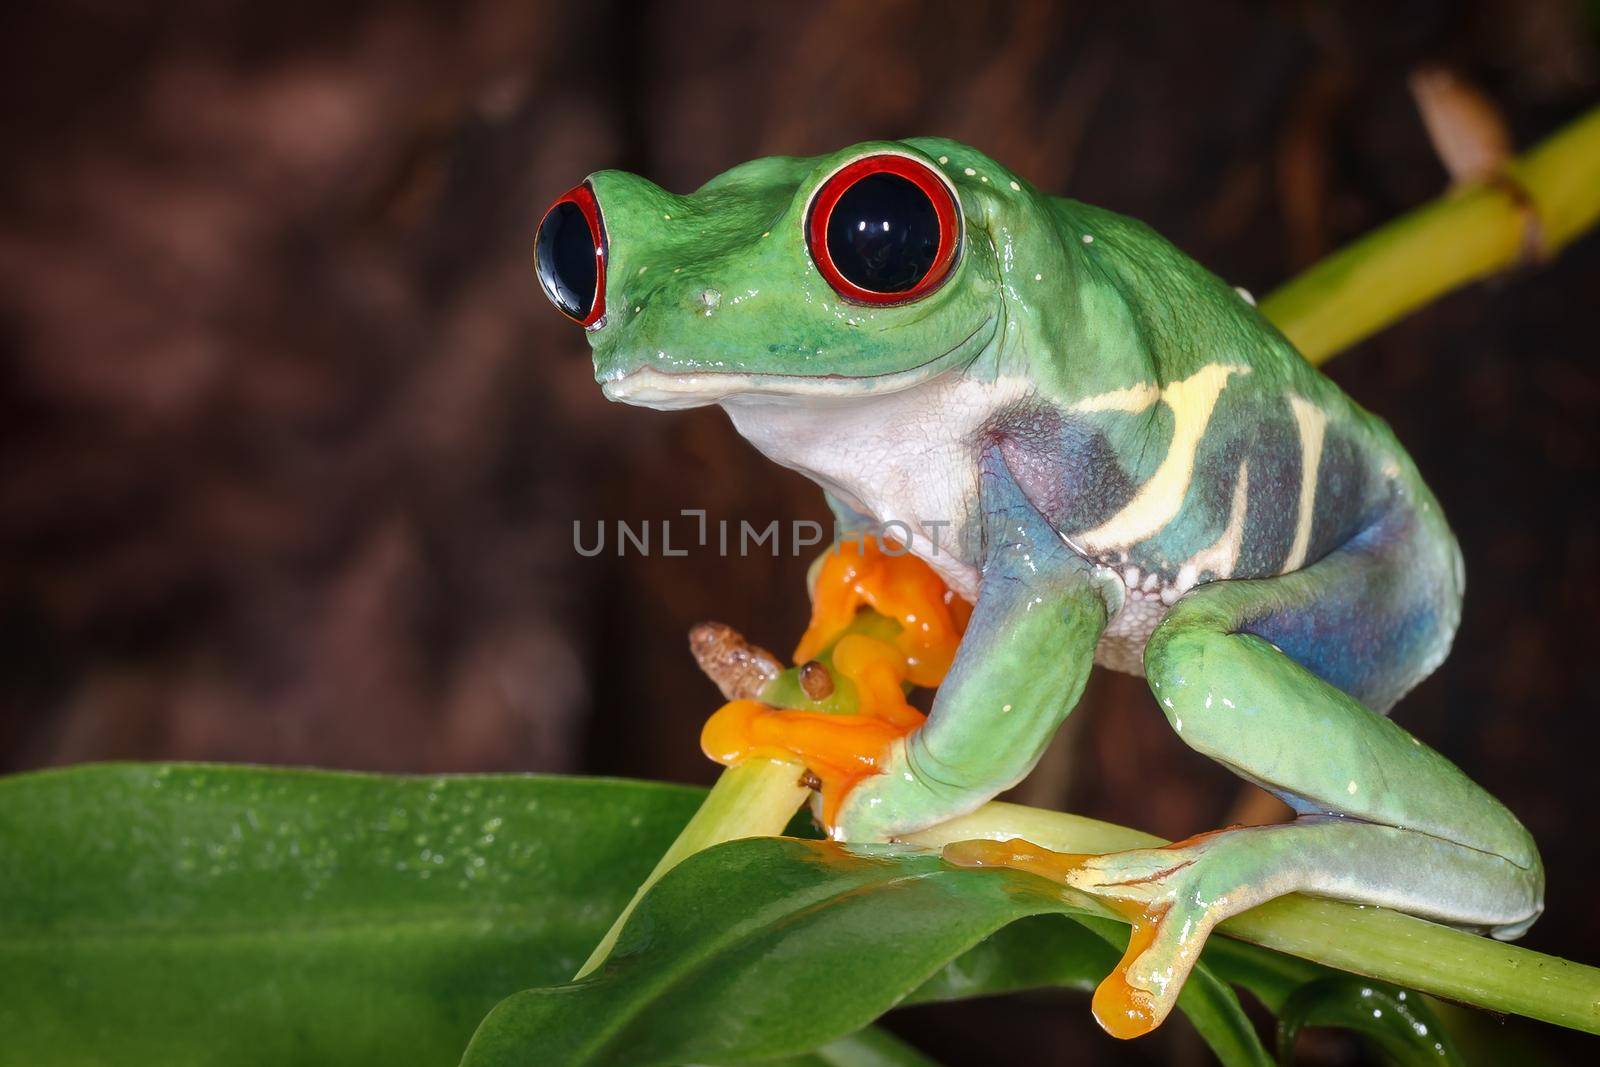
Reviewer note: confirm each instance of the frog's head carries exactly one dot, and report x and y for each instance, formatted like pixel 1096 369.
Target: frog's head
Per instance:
pixel 858 273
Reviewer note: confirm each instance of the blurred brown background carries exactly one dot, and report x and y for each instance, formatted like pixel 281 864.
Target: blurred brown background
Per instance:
pixel 292 445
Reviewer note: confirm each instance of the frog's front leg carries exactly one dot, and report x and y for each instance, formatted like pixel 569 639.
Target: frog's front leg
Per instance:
pixel 1018 670
pixel 1017 674
pixel 1383 819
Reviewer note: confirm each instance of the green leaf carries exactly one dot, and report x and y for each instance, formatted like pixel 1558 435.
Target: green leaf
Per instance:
pixel 234 915
pixel 871 1047
pixel 766 947
pixel 1036 952
pixel 1404 1024
pixel 1076 952
pixel 1401 1024
pixel 1272 976
pixel 237 915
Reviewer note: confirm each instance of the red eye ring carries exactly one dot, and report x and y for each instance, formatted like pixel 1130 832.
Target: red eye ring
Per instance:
pixel 919 174
pixel 575 284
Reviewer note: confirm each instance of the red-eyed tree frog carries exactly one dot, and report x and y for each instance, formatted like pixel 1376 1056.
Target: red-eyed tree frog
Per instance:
pixel 1115 459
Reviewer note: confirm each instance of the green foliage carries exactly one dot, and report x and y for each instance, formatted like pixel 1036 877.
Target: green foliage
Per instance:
pixel 237 915
pixel 864 1048
pixel 847 934
pixel 1412 1036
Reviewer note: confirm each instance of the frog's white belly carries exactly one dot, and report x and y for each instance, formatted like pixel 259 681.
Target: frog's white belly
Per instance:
pixel 911 458
pixel 908 458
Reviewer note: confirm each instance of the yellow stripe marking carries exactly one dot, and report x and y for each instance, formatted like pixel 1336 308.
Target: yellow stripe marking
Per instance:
pixel 1222 555
pixel 1132 400
pixel 1312 423
pixel 1161 496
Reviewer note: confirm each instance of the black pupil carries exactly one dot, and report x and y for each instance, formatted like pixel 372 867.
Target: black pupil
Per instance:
pixel 567 259
pixel 883 234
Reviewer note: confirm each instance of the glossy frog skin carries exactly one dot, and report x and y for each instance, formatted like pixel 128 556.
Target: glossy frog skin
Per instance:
pixel 1117 460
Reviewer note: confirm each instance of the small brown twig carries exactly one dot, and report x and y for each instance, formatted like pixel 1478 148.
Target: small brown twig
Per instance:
pixel 738 668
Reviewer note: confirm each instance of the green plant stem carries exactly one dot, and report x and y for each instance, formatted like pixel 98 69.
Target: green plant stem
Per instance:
pixel 1379 943
pixel 1546 198
pixel 756 798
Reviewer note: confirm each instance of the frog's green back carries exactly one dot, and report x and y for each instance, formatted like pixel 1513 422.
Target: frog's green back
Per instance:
pixel 1192 386
pixel 1166 428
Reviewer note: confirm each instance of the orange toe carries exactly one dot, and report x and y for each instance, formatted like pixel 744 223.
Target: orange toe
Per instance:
pixel 1122 1009
pixel 841 750
pixel 1017 854
pixel 861 573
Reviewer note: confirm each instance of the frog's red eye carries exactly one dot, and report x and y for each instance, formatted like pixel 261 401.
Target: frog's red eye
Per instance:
pixel 569 250
pixel 884 230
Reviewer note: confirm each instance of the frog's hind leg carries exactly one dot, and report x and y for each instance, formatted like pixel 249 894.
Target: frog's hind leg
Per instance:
pixel 1245 671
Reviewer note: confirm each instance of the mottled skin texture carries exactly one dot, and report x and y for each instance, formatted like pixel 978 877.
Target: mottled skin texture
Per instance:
pixel 1135 468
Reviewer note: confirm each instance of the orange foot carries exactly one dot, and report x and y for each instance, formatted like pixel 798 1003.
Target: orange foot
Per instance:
pixel 1153 889
pixel 841 750
pixel 860 574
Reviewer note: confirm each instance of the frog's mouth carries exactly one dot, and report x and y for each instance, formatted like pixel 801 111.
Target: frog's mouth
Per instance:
pixel 665 390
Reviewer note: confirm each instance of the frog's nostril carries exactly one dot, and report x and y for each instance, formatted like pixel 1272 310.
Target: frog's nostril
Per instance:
pixel 570 255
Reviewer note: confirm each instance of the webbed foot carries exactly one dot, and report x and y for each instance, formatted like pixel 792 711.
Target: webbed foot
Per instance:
pixel 842 750
pixel 839 750
pixel 860 573
pixel 1172 896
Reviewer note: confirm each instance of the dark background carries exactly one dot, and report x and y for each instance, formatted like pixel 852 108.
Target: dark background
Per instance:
pixel 291 445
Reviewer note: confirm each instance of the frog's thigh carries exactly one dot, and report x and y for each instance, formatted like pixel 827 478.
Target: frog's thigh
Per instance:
pixel 1374 618
pixel 1419 834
